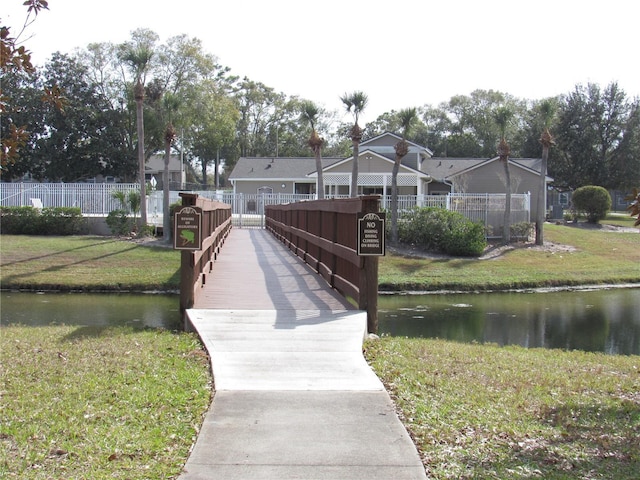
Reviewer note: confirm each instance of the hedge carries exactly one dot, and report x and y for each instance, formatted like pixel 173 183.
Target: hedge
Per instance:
pixel 46 221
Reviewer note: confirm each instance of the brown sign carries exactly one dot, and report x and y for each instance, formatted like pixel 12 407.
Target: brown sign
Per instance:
pixel 371 234
pixel 188 229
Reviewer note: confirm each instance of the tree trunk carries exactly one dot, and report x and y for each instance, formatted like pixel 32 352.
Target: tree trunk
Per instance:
pixel 139 97
pixel 541 207
pixel 394 200
pixel 354 172
pixel 320 188
pixel 506 228
pixel 204 174
pixel 166 213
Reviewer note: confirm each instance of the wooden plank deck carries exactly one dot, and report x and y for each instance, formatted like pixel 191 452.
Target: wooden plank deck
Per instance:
pixel 256 272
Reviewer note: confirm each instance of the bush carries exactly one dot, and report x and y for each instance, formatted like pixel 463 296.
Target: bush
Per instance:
pixel 19 220
pixel 522 230
pixel 441 230
pixel 119 222
pixel 48 221
pixel 592 201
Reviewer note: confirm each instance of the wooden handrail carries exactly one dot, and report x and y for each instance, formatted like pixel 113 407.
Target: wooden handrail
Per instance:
pixel 323 233
pixel 196 264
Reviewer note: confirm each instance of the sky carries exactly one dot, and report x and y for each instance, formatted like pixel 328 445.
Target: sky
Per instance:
pixel 401 53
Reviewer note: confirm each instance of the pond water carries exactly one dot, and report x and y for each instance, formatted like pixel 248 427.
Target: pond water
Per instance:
pixel 593 320
pixel 140 310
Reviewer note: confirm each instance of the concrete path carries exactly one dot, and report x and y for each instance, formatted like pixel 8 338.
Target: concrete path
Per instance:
pixel 295 399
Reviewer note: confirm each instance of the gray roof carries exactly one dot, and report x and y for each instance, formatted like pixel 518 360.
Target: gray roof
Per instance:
pixel 277 168
pixel 447 167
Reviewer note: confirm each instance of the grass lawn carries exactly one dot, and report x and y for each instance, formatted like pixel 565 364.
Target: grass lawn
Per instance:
pixel 486 412
pixel 597 256
pixel 98 403
pixel 86 263
pixel 79 402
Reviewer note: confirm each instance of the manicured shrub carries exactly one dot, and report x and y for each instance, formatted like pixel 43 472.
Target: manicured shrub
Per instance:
pixel 440 230
pixel 19 220
pixel 62 221
pixel 464 237
pixel 592 201
pixel 48 221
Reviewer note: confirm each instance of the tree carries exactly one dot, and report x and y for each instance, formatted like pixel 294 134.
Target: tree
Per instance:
pixel 137 55
pixel 213 128
pixel 547 111
pixel 598 136
pixel 355 103
pixel 472 129
pixel 16 59
pixel 634 205
pixel 593 201
pixel 408 117
pixel 502 117
pixel 72 144
pixel 309 115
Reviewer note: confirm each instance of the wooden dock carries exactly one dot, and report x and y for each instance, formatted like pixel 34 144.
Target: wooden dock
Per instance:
pixel 255 272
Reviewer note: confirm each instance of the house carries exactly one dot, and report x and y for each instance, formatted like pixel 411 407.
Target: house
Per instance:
pixel 253 175
pixel 420 173
pixel 154 168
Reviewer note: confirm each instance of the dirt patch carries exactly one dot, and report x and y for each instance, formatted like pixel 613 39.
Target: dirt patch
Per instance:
pixel 603 227
pixel 492 251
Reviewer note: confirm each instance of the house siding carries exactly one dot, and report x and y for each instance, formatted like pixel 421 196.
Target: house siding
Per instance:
pixel 373 165
pixel 252 187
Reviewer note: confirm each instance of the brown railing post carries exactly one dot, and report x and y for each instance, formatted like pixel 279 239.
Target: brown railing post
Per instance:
pixel 369 274
pixel 187 270
pixel 196 264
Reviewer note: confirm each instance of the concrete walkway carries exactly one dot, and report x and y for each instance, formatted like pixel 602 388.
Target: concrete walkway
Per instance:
pixel 294 397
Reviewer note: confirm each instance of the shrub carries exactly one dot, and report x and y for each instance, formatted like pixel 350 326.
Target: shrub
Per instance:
pixel 522 230
pixel 441 230
pixel 19 220
pixel 119 222
pixel 62 221
pixel 464 237
pixel 48 221
pixel 592 201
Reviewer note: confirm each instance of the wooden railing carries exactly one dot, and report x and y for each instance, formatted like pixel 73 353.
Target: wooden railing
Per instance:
pixel 196 264
pixel 323 233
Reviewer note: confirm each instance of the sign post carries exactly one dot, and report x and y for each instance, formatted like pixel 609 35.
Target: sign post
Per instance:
pixel 188 229
pixel 371 234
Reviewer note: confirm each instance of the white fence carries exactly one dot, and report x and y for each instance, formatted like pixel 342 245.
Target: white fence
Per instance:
pixel 248 210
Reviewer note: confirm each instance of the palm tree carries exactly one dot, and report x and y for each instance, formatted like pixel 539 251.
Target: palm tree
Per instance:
pixel 138 60
pixel 502 117
pixel 170 106
pixel 169 137
pixel 309 114
pixel 547 111
pixel 407 118
pixel 355 103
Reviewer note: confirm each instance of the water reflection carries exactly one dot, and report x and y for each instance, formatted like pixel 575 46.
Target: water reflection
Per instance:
pixel 597 320
pixel 90 309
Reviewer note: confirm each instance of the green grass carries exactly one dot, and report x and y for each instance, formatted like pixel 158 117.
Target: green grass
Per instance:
pixel 599 257
pixel 86 263
pixel 485 412
pixel 98 403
